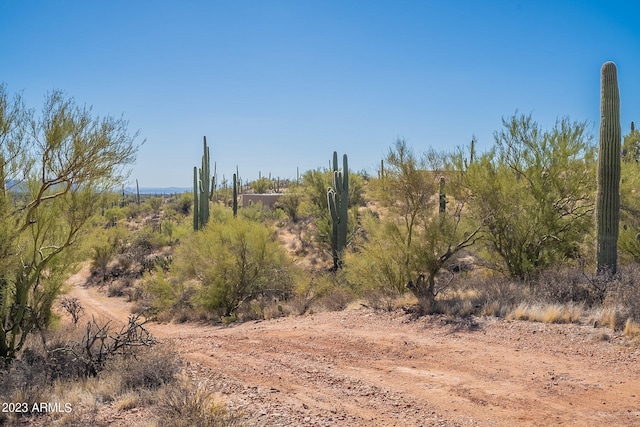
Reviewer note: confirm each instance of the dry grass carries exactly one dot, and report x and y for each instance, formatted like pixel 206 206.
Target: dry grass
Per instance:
pixel 547 313
pixel 611 317
pixel 191 404
pixel 632 329
pixel 128 400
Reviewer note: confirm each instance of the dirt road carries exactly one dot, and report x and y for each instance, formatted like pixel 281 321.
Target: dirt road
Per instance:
pixel 361 368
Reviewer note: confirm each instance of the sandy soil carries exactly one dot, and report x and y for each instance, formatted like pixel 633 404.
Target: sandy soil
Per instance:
pixel 367 368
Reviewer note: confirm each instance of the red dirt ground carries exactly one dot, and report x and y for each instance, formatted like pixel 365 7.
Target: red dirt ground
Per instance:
pixel 368 368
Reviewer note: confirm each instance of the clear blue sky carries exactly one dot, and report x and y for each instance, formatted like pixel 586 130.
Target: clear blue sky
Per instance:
pixel 276 85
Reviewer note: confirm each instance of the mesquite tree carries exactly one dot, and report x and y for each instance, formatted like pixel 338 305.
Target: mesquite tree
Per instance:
pixel 414 242
pixel 55 168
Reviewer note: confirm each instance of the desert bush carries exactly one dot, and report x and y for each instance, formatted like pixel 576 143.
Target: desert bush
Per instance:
pixel 380 300
pixel 376 260
pixel 73 307
pixel 154 203
pixel 233 261
pixel 290 203
pixel 103 245
pixel 624 292
pixel 133 211
pixel 115 289
pixel 337 298
pixel 100 343
pixel 187 404
pixel 168 294
pixel 26 379
pixel 185 201
pixel 114 214
pixel 496 294
pixel 260 213
pixel 566 285
pixel 629 239
pixel 43 373
pixel 534 194
pixel 146 367
pixel 414 243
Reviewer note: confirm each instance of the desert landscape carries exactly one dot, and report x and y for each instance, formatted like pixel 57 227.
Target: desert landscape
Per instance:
pixel 365 367
pixel 319 213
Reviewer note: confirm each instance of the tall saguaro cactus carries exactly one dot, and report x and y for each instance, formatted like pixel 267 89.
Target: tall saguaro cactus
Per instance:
pixel 202 191
pixel 338 200
pixel 608 195
pixel 234 202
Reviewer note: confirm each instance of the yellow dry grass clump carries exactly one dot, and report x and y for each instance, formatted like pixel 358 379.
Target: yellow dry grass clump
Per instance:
pixel 549 313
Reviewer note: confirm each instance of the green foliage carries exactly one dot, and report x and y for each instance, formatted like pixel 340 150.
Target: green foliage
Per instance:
pixel 184 203
pixel 233 261
pixel 314 188
pixel 155 203
pixel 106 243
pixel 413 240
pixel 65 166
pixel 629 240
pixel 261 185
pixel 608 195
pixel 258 212
pixel 166 292
pixel 114 214
pixel 290 202
pixel 378 262
pixel 631 146
pixel 533 192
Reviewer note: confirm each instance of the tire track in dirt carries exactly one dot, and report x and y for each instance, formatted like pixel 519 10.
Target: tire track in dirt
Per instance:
pixel 362 367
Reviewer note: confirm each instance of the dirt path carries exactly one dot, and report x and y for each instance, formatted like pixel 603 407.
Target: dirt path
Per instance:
pixel 361 367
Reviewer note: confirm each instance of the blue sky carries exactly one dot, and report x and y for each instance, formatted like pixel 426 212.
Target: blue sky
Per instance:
pixel 276 85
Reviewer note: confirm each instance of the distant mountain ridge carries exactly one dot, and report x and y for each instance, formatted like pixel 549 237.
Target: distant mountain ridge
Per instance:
pixel 158 190
pixel 20 186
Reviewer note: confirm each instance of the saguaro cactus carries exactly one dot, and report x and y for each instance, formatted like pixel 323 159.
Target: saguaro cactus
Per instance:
pixel 608 195
pixel 196 197
pixel 338 201
pixel 234 203
pixel 202 191
pixel 443 197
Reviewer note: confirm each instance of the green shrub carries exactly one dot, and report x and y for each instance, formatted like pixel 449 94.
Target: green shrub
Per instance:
pixel 166 292
pixel 534 194
pixel 233 261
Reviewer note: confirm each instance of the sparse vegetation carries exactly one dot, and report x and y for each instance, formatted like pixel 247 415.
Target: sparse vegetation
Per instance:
pixel 507 233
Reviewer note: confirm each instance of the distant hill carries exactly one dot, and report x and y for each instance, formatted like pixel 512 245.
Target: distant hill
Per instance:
pixel 158 190
pixel 20 186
